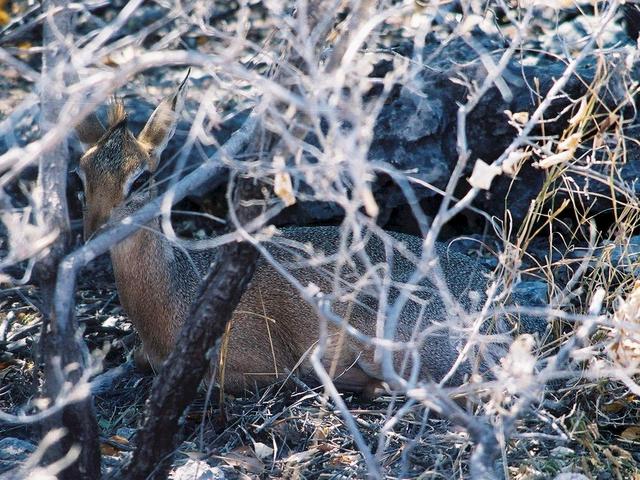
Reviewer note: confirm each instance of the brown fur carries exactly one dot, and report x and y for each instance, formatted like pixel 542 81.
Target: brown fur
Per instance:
pixel 116 112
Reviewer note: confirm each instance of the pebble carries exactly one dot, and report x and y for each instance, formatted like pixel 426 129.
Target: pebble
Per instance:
pixel 197 470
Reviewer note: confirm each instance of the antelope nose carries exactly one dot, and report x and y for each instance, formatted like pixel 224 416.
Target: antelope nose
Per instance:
pixel 89 228
pixel 92 223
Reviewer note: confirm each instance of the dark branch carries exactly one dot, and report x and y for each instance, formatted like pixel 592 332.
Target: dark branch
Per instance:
pixel 177 384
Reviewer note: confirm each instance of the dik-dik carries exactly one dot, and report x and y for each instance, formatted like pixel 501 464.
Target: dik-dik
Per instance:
pixel 273 330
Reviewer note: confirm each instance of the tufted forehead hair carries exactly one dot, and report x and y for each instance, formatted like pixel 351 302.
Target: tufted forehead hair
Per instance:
pixel 116 112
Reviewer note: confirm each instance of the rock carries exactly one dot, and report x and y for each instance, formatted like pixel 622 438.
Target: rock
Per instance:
pixel 531 292
pixel 197 470
pixel 14 452
pixel 111 464
pixel 477 247
pixel 563 452
pixel 623 257
pixel 416 132
pixel 570 476
pixel 126 432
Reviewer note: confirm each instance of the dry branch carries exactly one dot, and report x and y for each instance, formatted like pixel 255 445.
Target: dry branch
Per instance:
pixel 62 353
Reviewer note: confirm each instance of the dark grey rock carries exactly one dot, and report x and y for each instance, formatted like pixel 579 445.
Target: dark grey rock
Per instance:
pixel 532 292
pixel 416 131
pixel 623 257
pixel 111 464
pixel 14 452
pixel 126 432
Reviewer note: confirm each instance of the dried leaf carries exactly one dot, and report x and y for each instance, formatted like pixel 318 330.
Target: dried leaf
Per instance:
pixel 301 457
pixel 511 164
pixel 244 458
pixel 570 143
pixel 119 439
pixel 282 185
pixel 615 453
pixel 580 114
pixel 345 459
pixel 631 433
pixel 262 451
pixel 520 117
pixel 325 447
pixel 483 174
pixel 614 407
pixel 110 449
pixel 555 159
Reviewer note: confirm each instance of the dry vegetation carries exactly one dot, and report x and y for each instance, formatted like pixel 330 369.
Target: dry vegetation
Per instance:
pixel 321 77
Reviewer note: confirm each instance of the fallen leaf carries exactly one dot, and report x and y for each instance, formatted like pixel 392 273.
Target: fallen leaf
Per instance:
pixel 344 459
pixel 301 457
pixel 282 185
pixel 631 433
pixel 110 449
pixel 262 451
pixel 326 447
pixel 613 407
pixel 512 162
pixel 521 117
pixel 119 439
pixel 555 159
pixel 244 457
pixel 483 174
pixel 570 143
pixel 580 114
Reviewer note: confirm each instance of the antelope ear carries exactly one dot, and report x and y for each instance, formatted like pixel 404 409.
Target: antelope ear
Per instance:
pixel 162 124
pixel 90 130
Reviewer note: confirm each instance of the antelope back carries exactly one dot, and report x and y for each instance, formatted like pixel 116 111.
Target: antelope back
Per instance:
pixel 274 328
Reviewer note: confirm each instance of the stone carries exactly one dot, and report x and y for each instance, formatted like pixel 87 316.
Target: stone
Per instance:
pixel 197 470
pixel 14 452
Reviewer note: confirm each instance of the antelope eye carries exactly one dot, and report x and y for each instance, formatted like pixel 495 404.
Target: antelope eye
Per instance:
pixel 141 181
pixel 80 174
